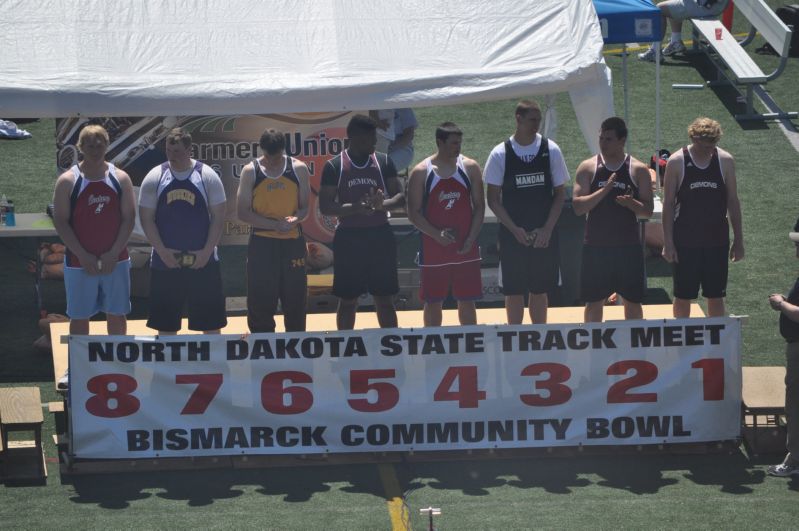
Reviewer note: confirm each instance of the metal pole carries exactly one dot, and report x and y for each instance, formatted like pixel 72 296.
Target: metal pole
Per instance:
pixel 626 90
pixel 657 114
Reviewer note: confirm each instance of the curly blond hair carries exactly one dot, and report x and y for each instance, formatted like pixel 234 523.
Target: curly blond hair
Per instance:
pixel 704 127
pixel 93 131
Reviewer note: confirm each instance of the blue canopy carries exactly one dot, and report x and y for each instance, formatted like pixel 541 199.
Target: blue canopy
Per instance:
pixel 624 21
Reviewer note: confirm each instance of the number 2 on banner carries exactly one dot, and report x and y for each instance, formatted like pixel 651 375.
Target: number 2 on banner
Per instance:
pixel 467 395
pixel 207 387
pixel 645 373
pixel 116 387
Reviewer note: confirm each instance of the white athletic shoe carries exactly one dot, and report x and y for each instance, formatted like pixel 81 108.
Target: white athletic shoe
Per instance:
pixel 648 56
pixel 673 48
pixel 783 470
pixel 63 382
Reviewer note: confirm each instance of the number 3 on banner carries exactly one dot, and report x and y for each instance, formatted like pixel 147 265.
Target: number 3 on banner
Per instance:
pixel 116 388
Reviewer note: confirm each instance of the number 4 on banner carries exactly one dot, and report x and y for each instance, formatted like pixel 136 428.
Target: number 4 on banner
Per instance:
pixel 467 395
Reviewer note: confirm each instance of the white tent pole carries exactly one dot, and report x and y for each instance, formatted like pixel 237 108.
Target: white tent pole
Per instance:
pixel 657 114
pixel 626 90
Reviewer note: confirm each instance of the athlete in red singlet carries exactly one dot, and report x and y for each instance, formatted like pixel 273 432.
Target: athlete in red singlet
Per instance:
pixel 446 203
pixel 94 213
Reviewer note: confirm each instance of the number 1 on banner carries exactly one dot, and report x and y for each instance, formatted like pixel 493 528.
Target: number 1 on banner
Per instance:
pixel 467 395
pixel 207 387
pixel 712 377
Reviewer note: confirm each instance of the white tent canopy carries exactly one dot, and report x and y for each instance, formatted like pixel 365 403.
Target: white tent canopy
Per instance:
pixel 226 57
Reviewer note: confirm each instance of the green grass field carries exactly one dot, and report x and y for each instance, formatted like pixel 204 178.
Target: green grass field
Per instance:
pixel 618 491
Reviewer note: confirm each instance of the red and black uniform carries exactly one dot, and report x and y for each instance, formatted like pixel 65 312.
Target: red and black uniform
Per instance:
pixel 701 231
pixel 613 257
pixel 447 204
pixel 364 247
pixel 95 214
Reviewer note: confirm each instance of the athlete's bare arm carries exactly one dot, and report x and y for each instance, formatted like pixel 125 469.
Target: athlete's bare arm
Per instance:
pixel 167 255
pixel 394 196
pixel 244 202
pixel 304 177
pixel 61 213
pixel 542 235
pixel 644 205
pixel 303 192
pixel 217 216
pixel 329 204
pixel 442 235
pixel 733 205
pixel 475 174
pixel 671 183
pixel 127 206
pixel 494 198
pixel 583 200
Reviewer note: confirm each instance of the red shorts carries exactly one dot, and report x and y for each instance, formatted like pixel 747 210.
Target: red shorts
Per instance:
pixel 464 279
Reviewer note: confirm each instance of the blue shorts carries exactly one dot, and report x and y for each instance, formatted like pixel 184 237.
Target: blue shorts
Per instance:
pixel 88 294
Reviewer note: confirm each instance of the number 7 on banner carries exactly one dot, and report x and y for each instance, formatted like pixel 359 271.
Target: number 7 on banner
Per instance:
pixel 207 387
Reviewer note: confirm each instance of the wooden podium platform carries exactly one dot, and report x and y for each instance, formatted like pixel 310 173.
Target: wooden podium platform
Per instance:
pixel 327 321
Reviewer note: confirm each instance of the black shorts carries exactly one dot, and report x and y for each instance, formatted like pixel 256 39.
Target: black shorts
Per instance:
pixel 276 272
pixel 364 261
pixel 200 289
pixel 705 266
pixel 607 270
pixel 528 269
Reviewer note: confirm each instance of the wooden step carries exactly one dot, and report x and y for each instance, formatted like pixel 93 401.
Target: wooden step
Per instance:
pixel 21 410
pixel 764 390
pixel 20 407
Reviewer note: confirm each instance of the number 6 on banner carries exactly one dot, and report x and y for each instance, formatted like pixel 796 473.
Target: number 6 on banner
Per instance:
pixel 273 391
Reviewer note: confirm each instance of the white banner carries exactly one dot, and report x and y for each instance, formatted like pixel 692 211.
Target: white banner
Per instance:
pixel 617 383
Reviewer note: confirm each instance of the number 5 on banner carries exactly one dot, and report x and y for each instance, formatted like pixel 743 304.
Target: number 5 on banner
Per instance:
pixel 387 394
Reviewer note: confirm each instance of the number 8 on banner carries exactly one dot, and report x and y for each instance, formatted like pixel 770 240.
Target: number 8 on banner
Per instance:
pixel 112 389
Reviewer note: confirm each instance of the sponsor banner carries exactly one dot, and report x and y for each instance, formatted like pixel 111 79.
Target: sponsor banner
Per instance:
pixel 478 387
pixel 226 143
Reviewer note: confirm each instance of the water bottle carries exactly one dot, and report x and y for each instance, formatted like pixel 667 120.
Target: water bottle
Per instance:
pixel 11 219
pixel 3 208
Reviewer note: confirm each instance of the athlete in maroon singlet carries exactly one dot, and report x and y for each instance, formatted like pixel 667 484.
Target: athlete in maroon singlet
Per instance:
pixel 614 189
pixel 700 195
pixel 446 203
pixel 359 186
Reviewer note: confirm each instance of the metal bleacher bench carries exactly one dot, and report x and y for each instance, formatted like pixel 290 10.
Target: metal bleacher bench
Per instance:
pixel 735 66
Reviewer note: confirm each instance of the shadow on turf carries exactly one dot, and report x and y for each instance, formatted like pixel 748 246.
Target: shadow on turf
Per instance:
pixel 636 474
pixel 727 94
pixel 732 474
pixel 204 487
